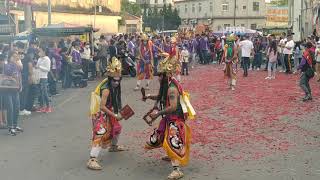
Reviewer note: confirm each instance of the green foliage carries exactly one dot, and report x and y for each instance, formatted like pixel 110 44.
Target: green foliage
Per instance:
pixel 166 18
pixel 131 8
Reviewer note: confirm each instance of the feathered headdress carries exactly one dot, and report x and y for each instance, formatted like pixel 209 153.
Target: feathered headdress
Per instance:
pixel 169 65
pixel 231 37
pixel 114 68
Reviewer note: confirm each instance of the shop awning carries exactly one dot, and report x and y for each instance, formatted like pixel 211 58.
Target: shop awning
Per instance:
pixel 62 30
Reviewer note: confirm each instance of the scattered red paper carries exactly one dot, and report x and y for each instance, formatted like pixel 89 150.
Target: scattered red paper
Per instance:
pixel 256 120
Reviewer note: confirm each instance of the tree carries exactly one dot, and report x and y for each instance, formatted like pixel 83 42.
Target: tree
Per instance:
pixel 131 8
pixel 167 17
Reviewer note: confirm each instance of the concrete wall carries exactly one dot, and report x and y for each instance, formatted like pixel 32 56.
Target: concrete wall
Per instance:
pixel 213 9
pixel 106 24
pixel 113 5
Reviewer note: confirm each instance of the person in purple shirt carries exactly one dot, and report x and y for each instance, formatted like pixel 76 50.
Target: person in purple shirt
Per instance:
pixel 155 50
pixel 167 45
pixel 75 54
pixel 204 47
pixel 12 100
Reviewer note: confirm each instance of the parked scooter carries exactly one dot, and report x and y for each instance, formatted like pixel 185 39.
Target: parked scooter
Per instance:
pixel 77 75
pixel 128 64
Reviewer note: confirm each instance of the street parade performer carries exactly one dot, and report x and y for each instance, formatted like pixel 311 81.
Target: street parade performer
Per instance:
pixel 106 114
pixel 173 134
pixel 145 62
pixel 230 59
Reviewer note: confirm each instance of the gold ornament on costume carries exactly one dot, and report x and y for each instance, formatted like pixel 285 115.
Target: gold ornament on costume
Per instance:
pixel 144 37
pixel 231 37
pixel 173 40
pixel 169 65
pixel 114 68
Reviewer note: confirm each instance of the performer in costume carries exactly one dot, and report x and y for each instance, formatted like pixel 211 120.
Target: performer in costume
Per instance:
pixel 106 128
pixel 175 55
pixel 230 58
pixel 145 62
pixel 173 134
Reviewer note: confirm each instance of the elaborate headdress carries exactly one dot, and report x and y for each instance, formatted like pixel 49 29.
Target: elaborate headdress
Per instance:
pixel 114 68
pixel 231 37
pixel 169 65
pixel 144 37
pixel 173 40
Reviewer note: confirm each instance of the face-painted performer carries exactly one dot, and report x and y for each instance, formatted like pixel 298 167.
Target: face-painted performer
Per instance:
pixel 106 128
pixel 230 58
pixel 145 62
pixel 173 134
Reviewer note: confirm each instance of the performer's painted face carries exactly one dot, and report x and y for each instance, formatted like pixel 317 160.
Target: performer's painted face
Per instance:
pixel 115 82
pixel 145 43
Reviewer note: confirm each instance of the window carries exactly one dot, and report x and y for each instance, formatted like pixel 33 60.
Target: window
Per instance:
pixel 200 7
pixel 164 1
pixel 156 1
pixel 185 8
pixel 131 28
pixel 244 7
pixel 253 26
pixel 211 6
pixel 255 6
pixel 178 9
pixel 226 25
pixel 193 8
pixel 225 7
pixel 242 25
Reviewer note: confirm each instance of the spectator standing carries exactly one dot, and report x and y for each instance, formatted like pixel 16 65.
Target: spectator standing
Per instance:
pixel 288 51
pixel 317 58
pixel 297 56
pixel 246 51
pixel 272 60
pixel 44 66
pixel 86 59
pixel 185 60
pixel 12 101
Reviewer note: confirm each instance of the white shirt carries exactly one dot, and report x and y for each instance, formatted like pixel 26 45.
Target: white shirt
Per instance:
pixel 86 54
pixel 44 66
pixel 246 48
pixel 317 53
pixel 289 47
pixel 185 56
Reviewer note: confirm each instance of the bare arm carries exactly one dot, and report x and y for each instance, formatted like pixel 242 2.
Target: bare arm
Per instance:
pixel 173 98
pixel 103 107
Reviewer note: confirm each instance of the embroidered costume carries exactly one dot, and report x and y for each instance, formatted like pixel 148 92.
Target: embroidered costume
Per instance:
pixel 173 134
pixel 145 63
pixel 105 126
pixel 230 58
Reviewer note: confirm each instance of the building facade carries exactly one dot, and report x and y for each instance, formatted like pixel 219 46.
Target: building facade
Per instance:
pixel 301 18
pixel 77 12
pixel 219 14
pixel 155 3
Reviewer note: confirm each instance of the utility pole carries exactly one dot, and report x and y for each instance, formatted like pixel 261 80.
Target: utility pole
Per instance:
pixel 234 13
pixel 49 12
pixel 95 14
pixel 27 17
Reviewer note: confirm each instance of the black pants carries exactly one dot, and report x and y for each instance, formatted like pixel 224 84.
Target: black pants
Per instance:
pixel 245 65
pixel 304 84
pixel 85 68
pixel 25 97
pixel 287 62
pixel 52 80
pixel 185 68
